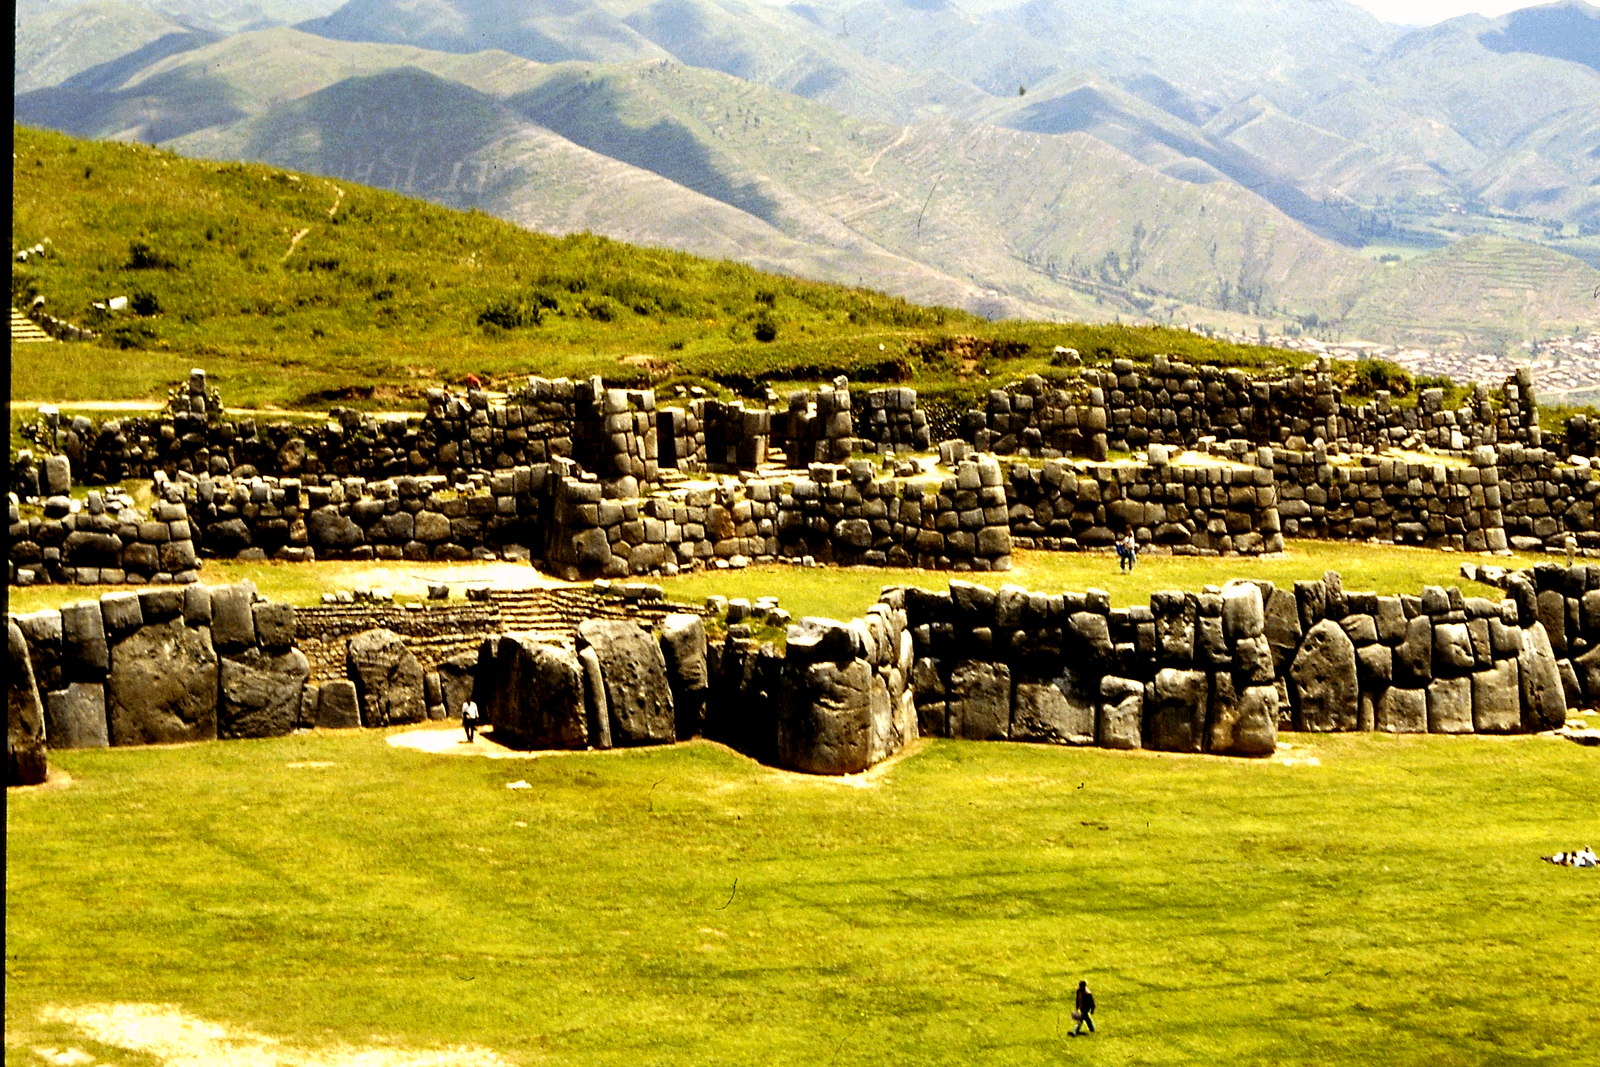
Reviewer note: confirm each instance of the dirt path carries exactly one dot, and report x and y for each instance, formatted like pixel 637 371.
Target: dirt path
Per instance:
pixel 170 1036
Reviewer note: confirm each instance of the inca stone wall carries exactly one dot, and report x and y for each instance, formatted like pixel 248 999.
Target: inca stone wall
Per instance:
pixel 1218 671
pixel 104 541
pixel 1199 509
pixel 1224 669
pixel 569 472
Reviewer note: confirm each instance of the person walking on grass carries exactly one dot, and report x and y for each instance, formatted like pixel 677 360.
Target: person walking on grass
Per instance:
pixel 469 718
pixel 1083 1009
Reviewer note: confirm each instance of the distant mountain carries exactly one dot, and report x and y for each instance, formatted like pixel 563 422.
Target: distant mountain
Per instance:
pixel 1169 159
pixel 1569 30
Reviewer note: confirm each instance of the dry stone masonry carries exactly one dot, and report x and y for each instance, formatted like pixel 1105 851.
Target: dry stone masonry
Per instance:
pixel 601 482
pixel 1218 671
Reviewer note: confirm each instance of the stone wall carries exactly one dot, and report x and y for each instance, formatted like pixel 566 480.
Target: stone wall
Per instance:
pixel 817 427
pixel 166 665
pixel 105 540
pixel 1214 508
pixel 1224 669
pixel 1173 403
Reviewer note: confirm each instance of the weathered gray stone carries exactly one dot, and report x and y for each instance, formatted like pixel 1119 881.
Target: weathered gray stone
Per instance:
pixel 1551 607
pixel 683 645
pixel 535 694
pixel 197 605
pixel 338 707
pixel 1252 658
pixel 260 693
pixel 1452 649
pixel 1121 723
pixel 1244 721
pixel 1544 701
pixel 1402 711
pixel 1497 699
pixel 1281 625
pixel 162 687
pixel 1322 680
pixel 825 718
pixel 596 711
pixel 26 760
pixel 388 678
pixel 980 701
pixel 75 717
pixel 1059 712
pixel 274 625
pixel 121 614
pixel 1450 706
pixel 1177 721
pixel 233 624
pixel 1243 613
pixel 1413 656
pixel 1377 666
pixel 638 695
pixel 455 682
pixel 42 631
pixel 85 655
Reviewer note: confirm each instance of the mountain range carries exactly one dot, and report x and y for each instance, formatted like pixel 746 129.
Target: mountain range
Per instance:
pixel 1222 161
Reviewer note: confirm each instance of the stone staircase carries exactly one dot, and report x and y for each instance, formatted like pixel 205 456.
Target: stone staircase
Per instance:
pixel 25 331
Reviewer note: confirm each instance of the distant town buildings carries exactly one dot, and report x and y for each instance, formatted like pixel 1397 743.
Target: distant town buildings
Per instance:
pixel 1563 367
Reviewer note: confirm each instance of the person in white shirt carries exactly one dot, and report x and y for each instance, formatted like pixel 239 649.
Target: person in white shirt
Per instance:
pixel 469 718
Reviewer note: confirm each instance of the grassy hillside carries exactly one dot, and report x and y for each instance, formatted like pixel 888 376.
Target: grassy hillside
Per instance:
pixel 1361 899
pixel 295 289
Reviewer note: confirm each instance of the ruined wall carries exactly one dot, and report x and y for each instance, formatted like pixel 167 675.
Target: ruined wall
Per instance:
pixel 104 541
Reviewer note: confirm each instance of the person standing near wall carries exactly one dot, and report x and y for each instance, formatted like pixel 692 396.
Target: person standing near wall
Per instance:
pixel 469 718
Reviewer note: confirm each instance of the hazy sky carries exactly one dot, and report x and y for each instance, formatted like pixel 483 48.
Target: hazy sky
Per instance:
pixel 1426 12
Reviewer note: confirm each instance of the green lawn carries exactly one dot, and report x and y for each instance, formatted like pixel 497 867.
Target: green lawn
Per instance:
pixel 685 906
pixel 844 592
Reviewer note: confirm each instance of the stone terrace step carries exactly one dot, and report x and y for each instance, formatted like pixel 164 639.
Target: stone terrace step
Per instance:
pixel 25 331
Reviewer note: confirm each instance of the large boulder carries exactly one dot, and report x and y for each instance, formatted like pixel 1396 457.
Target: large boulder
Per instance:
pixel 1056 712
pixel 26 761
pixel 1450 706
pixel 388 678
pixel 1244 719
pixel 85 655
pixel 825 718
pixel 338 707
pixel 75 717
pixel 456 676
pixel 683 645
pixel 1178 710
pixel 1497 699
pixel 1121 713
pixel 1402 711
pixel 532 693
pixel 1544 700
pixel 638 695
pixel 1322 680
pixel 162 687
pixel 260 693
pixel 980 701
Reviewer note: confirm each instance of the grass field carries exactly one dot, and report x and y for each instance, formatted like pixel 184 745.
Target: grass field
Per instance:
pixel 843 592
pixel 1374 899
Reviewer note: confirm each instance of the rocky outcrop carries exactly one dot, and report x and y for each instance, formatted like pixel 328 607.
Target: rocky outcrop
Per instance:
pixel 388 679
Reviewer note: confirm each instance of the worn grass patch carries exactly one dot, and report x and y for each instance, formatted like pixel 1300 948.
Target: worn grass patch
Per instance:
pixel 685 906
